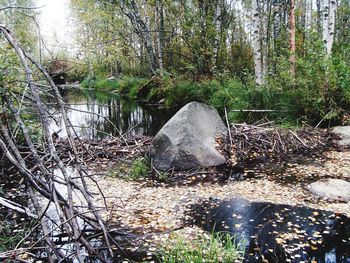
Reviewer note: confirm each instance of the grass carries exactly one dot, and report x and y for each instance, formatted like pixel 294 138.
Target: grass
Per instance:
pixel 218 247
pixel 139 168
pixel 8 239
pixel 125 85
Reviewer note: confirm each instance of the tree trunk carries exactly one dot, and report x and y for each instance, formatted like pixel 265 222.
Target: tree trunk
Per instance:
pixel 264 36
pixel 325 23
pixel 142 28
pixel 319 16
pixel 331 25
pixel 159 25
pixel 292 38
pixel 256 42
pixel 308 15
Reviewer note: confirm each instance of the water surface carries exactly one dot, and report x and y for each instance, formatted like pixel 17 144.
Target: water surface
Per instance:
pixel 100 115
pixel 278 233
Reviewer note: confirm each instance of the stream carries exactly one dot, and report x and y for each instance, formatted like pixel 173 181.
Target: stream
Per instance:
pixel 101 116
pixel 277 233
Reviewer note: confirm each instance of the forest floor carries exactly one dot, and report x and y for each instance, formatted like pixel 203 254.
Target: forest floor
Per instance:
pixel 153 210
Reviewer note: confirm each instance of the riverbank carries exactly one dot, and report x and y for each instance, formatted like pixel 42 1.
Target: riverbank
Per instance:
pixel 149 211
pixel 243 100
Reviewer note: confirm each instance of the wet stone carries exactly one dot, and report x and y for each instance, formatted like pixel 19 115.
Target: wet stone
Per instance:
pixel 277 233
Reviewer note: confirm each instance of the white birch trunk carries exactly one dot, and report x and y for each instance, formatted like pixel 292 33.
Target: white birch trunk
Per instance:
pixel 308 15
pixel 158 33
pixel 256 42
pixel 264 39
pixel 325 23
pixel 218 32
pixel 292 58
pixel 331 25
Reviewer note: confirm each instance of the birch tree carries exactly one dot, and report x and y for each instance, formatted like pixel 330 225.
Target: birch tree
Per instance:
pixel 331 25
pixel 256 42
pixel 292 58
pixel 142 27
pixel 328 24
pixel 159 29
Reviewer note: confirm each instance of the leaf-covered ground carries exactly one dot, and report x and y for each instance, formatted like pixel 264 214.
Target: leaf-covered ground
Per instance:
pixel 153 210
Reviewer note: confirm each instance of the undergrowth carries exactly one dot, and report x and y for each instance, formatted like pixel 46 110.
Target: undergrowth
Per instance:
pixel 218 247
pixel 320 93
pixel 125 85
pixel 139 169
pixel 8 239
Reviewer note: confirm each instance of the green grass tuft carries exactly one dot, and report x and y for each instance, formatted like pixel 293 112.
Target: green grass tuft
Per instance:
pixel 219 247
pixel 140 169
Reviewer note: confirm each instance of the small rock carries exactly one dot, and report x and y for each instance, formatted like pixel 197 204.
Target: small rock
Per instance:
pixel 331 189
pixel 344 133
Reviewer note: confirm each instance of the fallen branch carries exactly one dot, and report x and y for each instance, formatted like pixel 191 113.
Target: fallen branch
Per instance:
pixel 16 207
pixel 245 143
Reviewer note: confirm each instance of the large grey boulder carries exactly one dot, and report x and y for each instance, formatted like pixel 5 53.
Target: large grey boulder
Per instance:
pixel 331 189
pixel 344 134
pixel 187 140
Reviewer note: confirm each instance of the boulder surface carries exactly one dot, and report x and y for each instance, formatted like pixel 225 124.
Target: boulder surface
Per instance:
pixel 344 134
pixel 331 189
pixel 187 140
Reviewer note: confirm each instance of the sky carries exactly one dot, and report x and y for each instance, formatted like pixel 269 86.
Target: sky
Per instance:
pixel 57 28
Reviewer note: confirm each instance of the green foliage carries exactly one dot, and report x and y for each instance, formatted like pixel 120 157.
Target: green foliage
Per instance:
pixel 131 85
pixel 140 168
pixel 21 22
pixel 99 84
pixel 78 73
pixel 320 90
pixel 8 239
pixel 202 45
pixel 219 247
pixel 183 91
pixel 125 85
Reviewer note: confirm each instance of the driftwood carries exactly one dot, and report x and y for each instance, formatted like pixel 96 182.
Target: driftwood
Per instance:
pixel 36 162
pixel 16 207
pixel 246 143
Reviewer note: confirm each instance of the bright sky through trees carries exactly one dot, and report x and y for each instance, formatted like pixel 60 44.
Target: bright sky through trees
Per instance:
pixel 57 27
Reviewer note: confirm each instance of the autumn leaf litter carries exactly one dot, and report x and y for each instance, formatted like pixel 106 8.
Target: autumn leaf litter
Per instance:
pixel 156 212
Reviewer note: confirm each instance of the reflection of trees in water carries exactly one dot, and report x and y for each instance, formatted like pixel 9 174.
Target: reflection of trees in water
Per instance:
pixel 114 115
pixel 277 232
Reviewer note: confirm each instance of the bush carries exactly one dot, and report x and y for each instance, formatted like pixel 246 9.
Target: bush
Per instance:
pixel 77 73
pixel 130 86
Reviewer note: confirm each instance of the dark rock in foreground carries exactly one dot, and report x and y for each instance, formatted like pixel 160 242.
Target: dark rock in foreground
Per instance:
pixel 278 233
pixel 187 140
pixel 331 189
